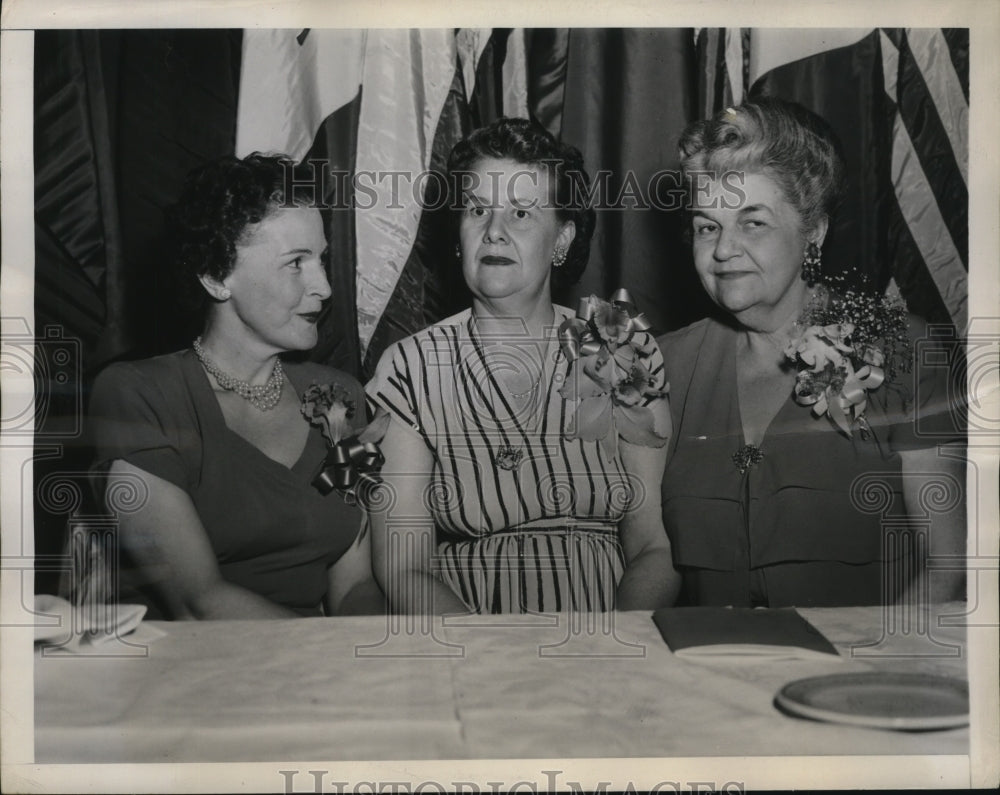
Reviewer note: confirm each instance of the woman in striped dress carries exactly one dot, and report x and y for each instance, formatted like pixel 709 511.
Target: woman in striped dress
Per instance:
pixel 506 486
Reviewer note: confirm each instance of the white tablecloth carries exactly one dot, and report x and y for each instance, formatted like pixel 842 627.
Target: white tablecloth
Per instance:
pixel 524 687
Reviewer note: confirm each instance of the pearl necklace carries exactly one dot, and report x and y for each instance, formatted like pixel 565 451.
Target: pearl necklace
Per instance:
pixel 262 398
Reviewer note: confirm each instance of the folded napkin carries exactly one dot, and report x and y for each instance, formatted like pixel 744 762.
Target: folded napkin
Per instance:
pixel 79 629
pixel 775 633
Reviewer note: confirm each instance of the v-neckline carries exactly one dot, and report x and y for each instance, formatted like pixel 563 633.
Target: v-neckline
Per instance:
pixel 218 418
pixel 503 394
pixel 733 369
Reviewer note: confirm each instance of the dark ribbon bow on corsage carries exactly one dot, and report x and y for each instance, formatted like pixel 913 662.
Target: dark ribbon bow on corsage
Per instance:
pixel 352 462
pixel 609 376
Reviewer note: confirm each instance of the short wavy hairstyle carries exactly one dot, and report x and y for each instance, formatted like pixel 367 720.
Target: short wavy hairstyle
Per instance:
pixel 529 143
pixel 217 204
pixel 783 140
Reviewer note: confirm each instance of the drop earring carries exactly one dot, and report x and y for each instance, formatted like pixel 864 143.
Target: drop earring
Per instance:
pixel 812 264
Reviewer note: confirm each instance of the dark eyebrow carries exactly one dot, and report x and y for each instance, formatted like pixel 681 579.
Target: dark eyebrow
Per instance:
pixel 753 208
pixel 297 251
pixel 477 198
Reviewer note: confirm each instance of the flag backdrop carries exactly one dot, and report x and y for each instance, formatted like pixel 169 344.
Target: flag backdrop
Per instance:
pixel 121 116
pixel 899 101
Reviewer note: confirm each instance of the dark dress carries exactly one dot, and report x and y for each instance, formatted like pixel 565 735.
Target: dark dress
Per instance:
pixel 272 532
pixel 812 522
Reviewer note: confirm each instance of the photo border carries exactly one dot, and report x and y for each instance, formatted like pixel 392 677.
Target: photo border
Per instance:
pixel 19 17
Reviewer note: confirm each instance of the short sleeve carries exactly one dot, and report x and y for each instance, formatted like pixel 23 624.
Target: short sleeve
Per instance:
pixel 396 388
pixel 926 406
pixel 132 420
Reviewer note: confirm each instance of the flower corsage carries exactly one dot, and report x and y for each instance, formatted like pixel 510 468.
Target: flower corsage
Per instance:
pixel 846 346
pixel 609 377
pixel 351 462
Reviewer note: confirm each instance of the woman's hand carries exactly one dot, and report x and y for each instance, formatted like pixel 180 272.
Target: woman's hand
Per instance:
pixel 167 539
pixel 650 580
pixel 403 535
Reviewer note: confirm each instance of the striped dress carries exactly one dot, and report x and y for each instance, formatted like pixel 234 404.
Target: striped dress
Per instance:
pixel 527 520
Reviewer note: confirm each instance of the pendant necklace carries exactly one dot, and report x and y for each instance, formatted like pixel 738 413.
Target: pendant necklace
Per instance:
pixel 507 456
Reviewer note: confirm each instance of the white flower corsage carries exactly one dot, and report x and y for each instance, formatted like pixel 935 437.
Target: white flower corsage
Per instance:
pixel 844 344
pixel 609 378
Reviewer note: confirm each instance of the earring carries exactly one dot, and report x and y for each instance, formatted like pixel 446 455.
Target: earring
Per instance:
pixel 812 265
pixel 558 257
pixel 458 251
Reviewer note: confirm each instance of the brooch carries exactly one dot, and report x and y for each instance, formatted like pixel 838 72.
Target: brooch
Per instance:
pixel 746 457
pixel 508 457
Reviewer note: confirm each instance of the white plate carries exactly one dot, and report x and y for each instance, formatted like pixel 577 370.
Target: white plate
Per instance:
pixel 880 700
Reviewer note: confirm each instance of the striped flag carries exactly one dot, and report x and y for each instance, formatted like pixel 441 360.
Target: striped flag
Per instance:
pixel 385 106
pixel 484 82
pixel 396 134
pixel 291 82
pixel 899 101
pixel 723 67
pixel 927 79
pixel 515 75
pixel 300 94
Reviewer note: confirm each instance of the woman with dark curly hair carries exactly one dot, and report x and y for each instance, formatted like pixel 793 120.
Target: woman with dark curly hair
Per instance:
pixel 506 486
pixel 215 435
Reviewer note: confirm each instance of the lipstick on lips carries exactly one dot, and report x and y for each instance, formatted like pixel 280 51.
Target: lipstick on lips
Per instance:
pixel 310 317
pixel 494 259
